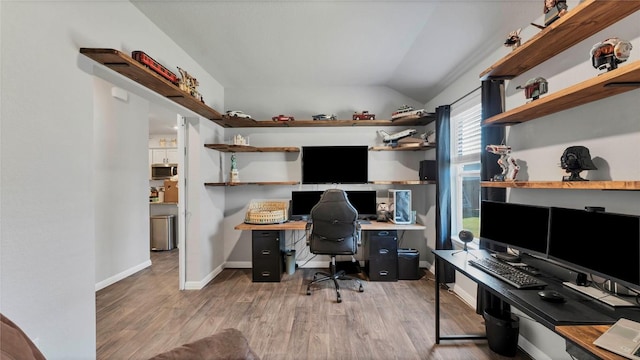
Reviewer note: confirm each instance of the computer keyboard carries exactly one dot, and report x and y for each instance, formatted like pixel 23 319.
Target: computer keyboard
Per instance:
pixel 508 273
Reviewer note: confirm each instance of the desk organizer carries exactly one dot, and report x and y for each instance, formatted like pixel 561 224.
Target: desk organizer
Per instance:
pixel 267 212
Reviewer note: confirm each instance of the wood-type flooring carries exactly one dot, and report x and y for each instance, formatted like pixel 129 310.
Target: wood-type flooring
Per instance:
pixel 146 314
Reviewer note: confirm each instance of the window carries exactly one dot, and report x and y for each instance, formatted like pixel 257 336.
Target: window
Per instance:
pixel 465 164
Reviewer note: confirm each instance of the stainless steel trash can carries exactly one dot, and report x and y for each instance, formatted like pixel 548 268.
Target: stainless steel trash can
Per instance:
pixel 163 232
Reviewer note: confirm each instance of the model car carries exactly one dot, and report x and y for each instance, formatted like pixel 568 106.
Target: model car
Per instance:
pixel 237 113
pixel 365 115
pixel 324 117
pixel 282 118
pixel 406 110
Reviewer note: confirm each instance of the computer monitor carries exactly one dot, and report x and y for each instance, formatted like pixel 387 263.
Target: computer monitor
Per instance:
pixel 303 201
pixel 600 243
pixel 518 226
pixel 335 164
pixel 364 201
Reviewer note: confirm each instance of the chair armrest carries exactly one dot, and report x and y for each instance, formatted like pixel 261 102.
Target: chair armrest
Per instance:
pixel 359 234
pixel 307 232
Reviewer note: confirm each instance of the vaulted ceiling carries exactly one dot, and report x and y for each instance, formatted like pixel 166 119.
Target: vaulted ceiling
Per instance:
pixel 415 47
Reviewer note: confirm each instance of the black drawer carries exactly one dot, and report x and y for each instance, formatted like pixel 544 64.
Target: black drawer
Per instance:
pixel 267 255
pixel 381 249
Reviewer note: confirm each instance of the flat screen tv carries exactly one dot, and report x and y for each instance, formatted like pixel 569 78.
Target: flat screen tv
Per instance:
pixel 518 226
pixel 303 201
pixel 335 164
pixel 600 243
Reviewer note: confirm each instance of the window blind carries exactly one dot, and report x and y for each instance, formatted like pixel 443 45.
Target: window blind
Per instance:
pixel 466 116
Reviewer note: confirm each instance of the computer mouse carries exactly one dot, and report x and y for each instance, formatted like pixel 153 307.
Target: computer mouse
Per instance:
pixel 551 296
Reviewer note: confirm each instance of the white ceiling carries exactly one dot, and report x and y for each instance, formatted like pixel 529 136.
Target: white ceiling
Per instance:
pixel 415 47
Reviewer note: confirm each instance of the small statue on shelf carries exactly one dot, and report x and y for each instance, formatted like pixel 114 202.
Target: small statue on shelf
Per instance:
pixel 513 39
pixel 508 164
pixel 553 10
pixel 609 53
pixel 535 87
pixel 189 84
pixel 574 160
pixel 234 176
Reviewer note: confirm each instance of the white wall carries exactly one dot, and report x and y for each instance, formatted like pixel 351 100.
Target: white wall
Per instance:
pixel 608 127
pixel 121 187
pixel 49 210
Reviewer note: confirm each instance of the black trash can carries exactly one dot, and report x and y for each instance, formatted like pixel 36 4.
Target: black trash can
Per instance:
pixel 502 330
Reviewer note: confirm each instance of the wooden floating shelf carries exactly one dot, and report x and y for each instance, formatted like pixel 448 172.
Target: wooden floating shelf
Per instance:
pixel 579 23
pixel 252 123
pixel 401 182
pixel 623 79
pixel 128 67
pixel 247 148
pixel 402 148
pixel 383 182
pixel 577 185
pixel 252 183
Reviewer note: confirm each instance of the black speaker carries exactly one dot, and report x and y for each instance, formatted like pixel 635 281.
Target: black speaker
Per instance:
pixel 427 170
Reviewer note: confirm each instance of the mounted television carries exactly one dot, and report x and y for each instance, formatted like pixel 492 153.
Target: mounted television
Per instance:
pixel 335 164
pixel 303 201
pixel 600 243
pixel 518 226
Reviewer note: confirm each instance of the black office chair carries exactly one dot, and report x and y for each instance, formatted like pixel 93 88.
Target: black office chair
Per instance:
pixel 333 229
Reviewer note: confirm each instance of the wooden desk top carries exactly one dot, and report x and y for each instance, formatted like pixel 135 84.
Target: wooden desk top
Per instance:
pixel 300 225
pixel 585 335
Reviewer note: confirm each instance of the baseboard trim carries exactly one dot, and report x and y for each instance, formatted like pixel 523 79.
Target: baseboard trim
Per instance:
pixel 198 285
pixel 117 277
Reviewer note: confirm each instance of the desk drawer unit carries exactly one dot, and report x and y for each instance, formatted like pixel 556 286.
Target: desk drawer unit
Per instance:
pixel 381 249
pixel 267 255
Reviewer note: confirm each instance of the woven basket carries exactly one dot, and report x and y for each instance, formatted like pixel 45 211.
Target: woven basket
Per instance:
pixel 267 212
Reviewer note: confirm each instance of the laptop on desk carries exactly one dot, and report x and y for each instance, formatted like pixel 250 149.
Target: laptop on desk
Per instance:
pixel 622 338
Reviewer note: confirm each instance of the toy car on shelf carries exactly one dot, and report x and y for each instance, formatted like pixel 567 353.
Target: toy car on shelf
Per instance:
pixel 364 115
pixel 324 117
pixel 237 114
pixel 282 118
pixel 406 110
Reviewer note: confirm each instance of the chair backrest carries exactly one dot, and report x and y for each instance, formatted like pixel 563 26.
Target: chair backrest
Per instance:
pixel 334 228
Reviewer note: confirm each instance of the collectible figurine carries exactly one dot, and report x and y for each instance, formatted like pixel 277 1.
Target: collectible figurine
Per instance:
pixel 609 53
pixel 363 115
pixel 406 110
pixel 392 139
pixel 234 176
pixel 513 39
pixel 554 9
pixel 575 159
pixel 189 84
pixel 508 164
pixel 535 87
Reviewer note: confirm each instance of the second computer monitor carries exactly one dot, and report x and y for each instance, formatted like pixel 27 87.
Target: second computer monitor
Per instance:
pixel 522 227
pixel 303 201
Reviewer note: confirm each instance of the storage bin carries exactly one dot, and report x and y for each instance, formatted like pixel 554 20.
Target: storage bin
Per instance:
pixel 409 264
pixel 502 330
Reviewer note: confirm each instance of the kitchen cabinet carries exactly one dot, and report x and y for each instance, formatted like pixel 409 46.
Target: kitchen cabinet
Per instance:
pixel 164 156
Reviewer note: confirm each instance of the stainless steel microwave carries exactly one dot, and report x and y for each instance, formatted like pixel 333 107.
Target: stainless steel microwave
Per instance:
pixel 163 171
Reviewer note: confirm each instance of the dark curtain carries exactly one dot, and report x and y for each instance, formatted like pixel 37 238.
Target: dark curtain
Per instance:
pixel 446 272
pixel 492 104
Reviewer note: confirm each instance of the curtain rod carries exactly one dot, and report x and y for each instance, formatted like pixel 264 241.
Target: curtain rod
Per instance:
pixel 465 95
